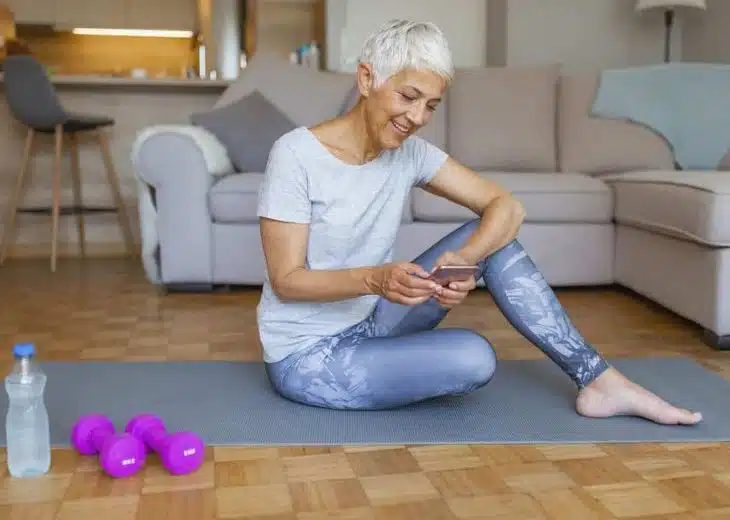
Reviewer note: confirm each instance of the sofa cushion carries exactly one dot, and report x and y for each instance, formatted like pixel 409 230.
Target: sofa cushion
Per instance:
pixel 557 197
pixel 247 128
pixel 307 96
pixel 692 205
pixel 588 144
pixel 503 118
pixel 234 199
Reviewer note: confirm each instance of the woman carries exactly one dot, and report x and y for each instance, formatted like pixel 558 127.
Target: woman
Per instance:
pixel 344 327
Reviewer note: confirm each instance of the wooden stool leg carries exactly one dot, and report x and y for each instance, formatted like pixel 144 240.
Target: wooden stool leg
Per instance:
pixel 56 210
pixel 16 197
pixel 114 185
pixel 78 197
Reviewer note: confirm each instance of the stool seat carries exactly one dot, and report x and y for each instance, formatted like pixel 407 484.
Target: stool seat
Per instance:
pixel 77 123
pixel 84 122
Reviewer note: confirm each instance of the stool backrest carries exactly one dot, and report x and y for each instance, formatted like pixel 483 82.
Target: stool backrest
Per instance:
pixel 31 96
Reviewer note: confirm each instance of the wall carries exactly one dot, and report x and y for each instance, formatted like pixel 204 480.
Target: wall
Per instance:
pixel 585 34
pixel 707 38
pixel 579 34
pixel 350 21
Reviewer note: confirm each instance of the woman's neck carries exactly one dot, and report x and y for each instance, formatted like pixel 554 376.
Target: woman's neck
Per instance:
pixel 347 137
pixel 365 144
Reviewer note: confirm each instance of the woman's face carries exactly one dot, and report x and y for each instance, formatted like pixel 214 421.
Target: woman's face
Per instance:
pixel 401 105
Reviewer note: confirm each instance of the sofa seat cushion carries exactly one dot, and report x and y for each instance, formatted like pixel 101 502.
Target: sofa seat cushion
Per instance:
pixel 558 197
pixel 693 205
pixel 234 199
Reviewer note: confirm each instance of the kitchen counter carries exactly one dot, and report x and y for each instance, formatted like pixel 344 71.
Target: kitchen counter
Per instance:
pixel 111 81
pixel 137 83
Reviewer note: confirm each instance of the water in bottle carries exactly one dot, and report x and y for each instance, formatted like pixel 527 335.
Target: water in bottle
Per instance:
pixel 27 427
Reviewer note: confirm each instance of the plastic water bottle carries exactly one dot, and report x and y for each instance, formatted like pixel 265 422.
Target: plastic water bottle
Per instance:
pixel 27 427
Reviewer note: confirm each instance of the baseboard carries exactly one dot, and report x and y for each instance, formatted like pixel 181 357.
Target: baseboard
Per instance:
pixel 715 341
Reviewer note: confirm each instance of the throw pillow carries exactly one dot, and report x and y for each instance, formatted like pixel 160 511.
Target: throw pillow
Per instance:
pixel 247 128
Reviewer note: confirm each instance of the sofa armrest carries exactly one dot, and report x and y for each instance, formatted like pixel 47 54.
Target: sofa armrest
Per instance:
pixel 176 167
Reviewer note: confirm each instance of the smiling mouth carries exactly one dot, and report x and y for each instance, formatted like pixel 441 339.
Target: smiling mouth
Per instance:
pixel 399 128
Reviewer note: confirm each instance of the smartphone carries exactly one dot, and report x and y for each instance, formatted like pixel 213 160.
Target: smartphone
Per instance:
pixel 453 273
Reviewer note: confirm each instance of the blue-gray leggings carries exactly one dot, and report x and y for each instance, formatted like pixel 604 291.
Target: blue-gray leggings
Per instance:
pixel 397 356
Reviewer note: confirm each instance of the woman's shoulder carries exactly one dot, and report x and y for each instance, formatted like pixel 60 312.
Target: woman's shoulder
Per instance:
pixel 414 147
pixel 293 139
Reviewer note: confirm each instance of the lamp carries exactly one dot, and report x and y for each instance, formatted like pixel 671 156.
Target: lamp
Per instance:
pixel 669 7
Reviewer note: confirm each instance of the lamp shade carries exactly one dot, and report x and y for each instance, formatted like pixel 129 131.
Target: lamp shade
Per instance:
pixel 643 5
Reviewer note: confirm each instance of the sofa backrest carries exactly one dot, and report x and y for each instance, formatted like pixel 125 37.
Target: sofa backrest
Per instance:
pixel 592 145
pixel 503 118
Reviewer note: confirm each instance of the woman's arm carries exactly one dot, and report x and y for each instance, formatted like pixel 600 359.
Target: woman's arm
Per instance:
pixel 285 246
pixel 501 214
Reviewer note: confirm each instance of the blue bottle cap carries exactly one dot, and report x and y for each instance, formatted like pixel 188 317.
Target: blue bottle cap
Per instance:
pixel 24 350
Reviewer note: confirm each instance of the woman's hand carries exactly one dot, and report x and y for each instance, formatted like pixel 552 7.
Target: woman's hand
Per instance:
pixel 455 292
pixel 404 283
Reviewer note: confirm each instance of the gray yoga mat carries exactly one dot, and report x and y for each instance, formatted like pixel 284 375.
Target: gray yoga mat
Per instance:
pixel 230 403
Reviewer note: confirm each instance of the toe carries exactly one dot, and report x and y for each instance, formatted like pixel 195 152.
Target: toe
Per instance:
pixel 689 417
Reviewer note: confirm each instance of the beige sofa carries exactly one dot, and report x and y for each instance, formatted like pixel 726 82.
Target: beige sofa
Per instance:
pixel 604 202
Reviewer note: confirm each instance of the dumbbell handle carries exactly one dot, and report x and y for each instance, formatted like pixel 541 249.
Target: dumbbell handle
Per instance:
pixel 155 438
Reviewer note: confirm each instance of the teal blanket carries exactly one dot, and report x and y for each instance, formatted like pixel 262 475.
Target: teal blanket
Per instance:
pixel 686 103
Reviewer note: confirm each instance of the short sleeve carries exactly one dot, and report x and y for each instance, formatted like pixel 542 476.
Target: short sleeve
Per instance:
pixel 427 158
pixel 284 193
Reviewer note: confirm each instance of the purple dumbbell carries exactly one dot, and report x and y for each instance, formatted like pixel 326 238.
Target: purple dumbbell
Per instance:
pixel 180 452
pixel 119 455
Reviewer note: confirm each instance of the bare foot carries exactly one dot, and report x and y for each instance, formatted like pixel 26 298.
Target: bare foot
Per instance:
pixel 612 394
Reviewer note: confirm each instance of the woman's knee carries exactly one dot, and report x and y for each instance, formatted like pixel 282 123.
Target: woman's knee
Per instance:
pixel 474 356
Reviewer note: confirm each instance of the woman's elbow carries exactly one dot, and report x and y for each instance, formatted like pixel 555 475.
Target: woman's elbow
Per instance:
pixel 282 288
pixel 517 211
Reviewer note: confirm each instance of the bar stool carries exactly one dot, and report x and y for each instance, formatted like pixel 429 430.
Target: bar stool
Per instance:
pixel 33 101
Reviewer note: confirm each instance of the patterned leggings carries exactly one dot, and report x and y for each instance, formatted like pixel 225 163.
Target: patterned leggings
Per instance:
pixel 397 356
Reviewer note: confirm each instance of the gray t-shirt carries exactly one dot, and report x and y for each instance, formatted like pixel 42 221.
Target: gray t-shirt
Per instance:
pixel 353 212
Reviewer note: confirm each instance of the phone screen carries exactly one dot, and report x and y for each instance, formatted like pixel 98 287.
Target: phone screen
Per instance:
pixel 455 273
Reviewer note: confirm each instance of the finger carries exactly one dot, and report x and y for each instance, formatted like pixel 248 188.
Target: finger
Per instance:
pixel 416 282
pixel 408 300
pixel 450 294
pixel 465 286
pixel 449 300
pixel 447 304
pixel 415 292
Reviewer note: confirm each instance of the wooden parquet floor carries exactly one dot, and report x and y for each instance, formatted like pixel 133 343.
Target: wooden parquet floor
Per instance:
pixel 104 309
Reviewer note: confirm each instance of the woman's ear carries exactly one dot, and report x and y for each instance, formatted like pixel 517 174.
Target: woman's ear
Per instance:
pixel 365 79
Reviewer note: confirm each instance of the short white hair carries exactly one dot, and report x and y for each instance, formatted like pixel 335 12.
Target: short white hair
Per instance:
pixel 404 44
